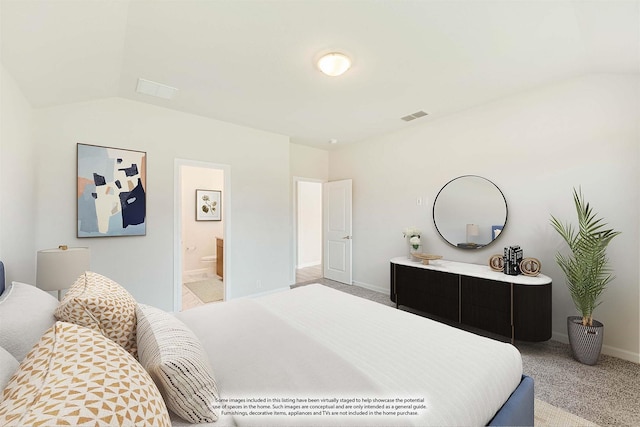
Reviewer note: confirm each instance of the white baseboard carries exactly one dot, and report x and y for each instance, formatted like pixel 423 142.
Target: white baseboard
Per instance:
pixel 382 289
pixel 557 336
pixel 622 354
pixel 606 349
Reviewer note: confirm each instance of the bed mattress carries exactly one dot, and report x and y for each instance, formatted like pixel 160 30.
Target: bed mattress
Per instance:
pixel 326 346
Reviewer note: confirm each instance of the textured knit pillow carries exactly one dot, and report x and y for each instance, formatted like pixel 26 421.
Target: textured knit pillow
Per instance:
pixel 25 313
pixel 8 366
pixel 76 376
pixel 176 360
pixel 101 304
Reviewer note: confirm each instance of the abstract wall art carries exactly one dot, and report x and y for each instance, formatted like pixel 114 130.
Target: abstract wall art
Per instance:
pixel 208 205
pixel 111 191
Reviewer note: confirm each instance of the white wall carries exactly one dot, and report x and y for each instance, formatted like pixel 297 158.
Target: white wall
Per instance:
pixel 309 223
pixel 536 147
pixel 199 237
pixel 18 199
pixel 260 228
pixel 309 162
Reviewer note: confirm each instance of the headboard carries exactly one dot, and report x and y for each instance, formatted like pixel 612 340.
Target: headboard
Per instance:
pixel 1 277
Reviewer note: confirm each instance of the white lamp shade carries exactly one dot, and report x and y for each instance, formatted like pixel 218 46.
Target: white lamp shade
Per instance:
pixel 473 230
pixel 334 64
pixel 59 268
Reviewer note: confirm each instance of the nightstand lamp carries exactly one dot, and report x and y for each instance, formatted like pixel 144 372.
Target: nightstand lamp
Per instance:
pixel 59 268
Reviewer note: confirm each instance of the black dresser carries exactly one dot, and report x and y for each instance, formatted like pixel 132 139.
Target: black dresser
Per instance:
pixel 472 295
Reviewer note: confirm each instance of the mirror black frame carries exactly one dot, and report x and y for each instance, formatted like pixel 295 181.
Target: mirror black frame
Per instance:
pixel 460 246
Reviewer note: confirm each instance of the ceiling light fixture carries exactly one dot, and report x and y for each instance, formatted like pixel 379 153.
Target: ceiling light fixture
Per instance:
pixel 334 64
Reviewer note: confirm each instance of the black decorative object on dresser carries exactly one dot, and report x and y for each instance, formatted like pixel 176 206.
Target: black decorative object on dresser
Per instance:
pixel 517 307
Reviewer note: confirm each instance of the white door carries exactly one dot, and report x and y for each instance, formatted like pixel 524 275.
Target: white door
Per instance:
pixel 337 231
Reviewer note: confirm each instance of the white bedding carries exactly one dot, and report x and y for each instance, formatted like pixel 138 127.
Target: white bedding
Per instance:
pixel 314 341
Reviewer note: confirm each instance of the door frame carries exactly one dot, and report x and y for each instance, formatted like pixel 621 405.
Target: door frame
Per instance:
pixel 177 225
pixel 294 243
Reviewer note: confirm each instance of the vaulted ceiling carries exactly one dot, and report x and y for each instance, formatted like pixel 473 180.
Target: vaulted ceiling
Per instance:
pixel 252 62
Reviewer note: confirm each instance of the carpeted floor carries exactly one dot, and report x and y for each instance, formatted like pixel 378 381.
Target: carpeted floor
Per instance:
pixel 607 393
pixel 567 392
pixel 208 290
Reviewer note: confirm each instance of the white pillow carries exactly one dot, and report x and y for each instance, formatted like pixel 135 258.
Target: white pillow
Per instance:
pixel 26 312
pixel 8 366
pixel 177 362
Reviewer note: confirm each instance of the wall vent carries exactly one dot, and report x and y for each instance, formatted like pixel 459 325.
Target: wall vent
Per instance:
pixel 414 116
pixel 159 90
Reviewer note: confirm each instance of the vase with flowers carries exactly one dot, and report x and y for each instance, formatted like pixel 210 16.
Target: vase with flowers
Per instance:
pixel 412 234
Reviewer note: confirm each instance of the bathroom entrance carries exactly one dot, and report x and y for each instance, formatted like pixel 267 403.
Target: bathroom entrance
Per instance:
pixel 201 188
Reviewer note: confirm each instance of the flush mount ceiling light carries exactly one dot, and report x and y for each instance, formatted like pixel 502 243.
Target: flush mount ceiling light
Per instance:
pixel 334 63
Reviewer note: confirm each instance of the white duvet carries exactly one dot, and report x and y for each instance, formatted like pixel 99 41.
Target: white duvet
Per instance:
pixel 316 343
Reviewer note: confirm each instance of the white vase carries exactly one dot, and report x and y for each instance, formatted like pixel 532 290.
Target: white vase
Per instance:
pixel 412 251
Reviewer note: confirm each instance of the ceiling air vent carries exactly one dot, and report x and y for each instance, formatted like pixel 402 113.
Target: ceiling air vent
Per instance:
pixel 414 116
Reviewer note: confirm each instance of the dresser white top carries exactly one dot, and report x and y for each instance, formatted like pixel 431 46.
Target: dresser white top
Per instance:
pixel 473 270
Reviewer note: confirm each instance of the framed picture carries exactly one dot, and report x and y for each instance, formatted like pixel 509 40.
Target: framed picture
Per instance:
pixel 111 191
pixel 495 231
pixel 208 205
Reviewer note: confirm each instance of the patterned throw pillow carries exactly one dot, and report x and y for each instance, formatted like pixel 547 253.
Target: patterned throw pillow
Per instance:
pixel 178 364
pixel 75 376
pixel 101 304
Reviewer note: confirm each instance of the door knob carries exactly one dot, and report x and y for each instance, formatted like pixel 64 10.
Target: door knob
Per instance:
pixel 347 237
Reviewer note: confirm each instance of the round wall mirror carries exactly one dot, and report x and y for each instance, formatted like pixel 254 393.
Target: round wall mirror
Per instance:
pixel 470 212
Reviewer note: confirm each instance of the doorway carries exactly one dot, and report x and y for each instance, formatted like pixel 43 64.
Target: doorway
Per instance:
pixel 308 238
pixel 201 212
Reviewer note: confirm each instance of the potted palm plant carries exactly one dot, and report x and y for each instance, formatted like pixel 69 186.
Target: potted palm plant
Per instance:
pixel 587 273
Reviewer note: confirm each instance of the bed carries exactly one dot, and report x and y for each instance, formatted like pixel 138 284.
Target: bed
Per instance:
pixel 317 356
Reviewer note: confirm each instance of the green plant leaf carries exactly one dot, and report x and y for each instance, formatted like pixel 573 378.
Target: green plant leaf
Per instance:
pixel 586 268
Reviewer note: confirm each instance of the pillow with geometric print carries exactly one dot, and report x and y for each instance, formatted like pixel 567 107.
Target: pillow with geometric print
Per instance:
pixel 77 376
pixel 99 303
